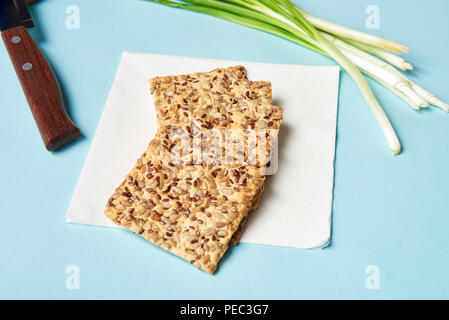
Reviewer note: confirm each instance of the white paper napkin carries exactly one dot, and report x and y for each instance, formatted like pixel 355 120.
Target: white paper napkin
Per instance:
pixel 295 209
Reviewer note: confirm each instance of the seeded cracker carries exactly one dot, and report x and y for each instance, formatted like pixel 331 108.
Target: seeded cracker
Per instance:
pixel 218 99
pixel 193 208
pixel 190 210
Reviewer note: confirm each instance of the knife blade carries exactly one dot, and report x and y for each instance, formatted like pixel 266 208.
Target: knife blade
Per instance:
pixel 36 76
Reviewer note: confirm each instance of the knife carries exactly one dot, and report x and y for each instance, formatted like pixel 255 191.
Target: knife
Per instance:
pixel 38 81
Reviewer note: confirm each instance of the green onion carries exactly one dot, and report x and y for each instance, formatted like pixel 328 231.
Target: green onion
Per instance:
pixel 355 51
pixel 346 33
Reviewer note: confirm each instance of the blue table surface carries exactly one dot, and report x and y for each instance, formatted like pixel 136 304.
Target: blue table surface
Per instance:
pixel 388 212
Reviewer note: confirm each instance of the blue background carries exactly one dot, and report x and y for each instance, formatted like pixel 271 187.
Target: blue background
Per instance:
pixel 392 212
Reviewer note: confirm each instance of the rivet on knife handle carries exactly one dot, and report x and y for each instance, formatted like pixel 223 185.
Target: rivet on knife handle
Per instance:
pixel 41 89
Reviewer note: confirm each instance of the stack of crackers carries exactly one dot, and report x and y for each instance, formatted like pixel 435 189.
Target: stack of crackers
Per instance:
pixel 191 191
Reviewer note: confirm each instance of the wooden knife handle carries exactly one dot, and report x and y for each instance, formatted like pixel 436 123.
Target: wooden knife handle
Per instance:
pixel 41 89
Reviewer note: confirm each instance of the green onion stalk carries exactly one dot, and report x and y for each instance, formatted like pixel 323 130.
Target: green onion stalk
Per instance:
pixel 356 52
